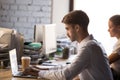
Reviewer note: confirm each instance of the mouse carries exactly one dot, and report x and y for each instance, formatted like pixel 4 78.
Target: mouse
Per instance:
pixel 68 62
pixel 40 61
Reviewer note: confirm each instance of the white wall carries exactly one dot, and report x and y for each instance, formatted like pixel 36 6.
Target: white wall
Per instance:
pixel 60 8
pixel 99 14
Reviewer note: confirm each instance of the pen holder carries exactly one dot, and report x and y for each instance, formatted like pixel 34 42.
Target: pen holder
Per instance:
pixel 65 53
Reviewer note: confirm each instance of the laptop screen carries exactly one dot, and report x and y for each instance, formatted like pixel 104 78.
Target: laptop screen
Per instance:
pixel 13 61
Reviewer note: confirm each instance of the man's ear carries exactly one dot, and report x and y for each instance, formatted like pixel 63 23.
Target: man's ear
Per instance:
pixel 77 27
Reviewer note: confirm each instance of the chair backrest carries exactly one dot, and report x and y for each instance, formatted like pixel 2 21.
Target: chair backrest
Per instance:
pixel 5 37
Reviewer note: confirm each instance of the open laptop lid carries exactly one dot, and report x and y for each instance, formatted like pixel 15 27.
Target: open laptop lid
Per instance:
pixel 14 65
pixel 13 61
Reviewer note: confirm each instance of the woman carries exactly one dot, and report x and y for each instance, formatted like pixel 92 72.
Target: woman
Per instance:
pixel 114 58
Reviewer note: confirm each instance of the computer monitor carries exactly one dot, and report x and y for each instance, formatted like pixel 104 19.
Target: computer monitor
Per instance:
pixel 38 33
pixel 47 34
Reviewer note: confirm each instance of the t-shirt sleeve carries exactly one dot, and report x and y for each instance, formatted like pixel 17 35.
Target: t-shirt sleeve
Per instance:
pixel 79 64
pixel 52 74
pixel 117 51
pixel 69 72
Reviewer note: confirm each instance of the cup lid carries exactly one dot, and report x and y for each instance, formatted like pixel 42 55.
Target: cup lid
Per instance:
pixel 25 57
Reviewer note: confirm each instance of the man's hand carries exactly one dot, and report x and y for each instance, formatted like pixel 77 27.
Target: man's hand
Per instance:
pixel 31 71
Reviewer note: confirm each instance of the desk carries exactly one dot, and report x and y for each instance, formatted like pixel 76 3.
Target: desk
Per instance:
pixel 5 74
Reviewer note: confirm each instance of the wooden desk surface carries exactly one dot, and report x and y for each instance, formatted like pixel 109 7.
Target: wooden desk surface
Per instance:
pixel 5 74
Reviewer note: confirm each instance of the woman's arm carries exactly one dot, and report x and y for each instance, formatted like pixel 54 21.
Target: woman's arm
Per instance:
pixel 113 57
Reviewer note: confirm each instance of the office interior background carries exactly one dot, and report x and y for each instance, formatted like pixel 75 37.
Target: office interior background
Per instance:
pixel 22 15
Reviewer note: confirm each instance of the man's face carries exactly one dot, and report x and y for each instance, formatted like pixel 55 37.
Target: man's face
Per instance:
pixel 70 31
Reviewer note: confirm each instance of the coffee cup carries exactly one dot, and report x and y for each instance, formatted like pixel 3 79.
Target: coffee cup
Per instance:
pixel 25 60
pixel 65 53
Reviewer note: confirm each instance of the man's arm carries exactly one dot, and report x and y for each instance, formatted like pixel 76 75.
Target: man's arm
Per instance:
pixel 113 57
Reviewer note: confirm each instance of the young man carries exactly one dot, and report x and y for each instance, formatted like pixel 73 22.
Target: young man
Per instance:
pixel 91 62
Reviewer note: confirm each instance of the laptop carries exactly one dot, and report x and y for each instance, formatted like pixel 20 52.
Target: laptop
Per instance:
pixel 14 66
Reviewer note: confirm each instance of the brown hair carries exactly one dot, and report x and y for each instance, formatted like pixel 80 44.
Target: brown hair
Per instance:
pixel 77 17
pixel 115 20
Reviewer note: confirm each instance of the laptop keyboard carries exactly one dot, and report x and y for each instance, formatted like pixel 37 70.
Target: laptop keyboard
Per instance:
pixel 20 73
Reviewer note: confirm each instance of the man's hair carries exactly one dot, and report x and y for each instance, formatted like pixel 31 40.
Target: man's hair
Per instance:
pixel 77 17
pixel 115 20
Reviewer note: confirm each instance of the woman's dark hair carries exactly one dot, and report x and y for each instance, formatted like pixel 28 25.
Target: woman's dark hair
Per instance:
pixel 115 20
pixel 77 17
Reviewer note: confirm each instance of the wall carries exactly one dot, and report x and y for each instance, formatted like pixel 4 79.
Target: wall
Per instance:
pixel 22 15
pixel 60 8
pixel 99 16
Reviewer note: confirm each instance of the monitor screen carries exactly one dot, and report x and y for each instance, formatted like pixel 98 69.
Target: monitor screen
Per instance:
pixel 47 34
pixel 38 33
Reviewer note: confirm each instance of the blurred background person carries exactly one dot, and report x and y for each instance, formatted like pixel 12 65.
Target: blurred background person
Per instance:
pixel 114 57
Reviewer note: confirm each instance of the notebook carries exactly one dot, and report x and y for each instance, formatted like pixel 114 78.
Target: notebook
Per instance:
pixel 14 66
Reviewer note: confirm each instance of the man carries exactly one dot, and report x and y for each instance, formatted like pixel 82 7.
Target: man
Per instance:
pixel 91 62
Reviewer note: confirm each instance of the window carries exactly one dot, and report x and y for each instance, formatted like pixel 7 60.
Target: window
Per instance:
pixel 99 12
